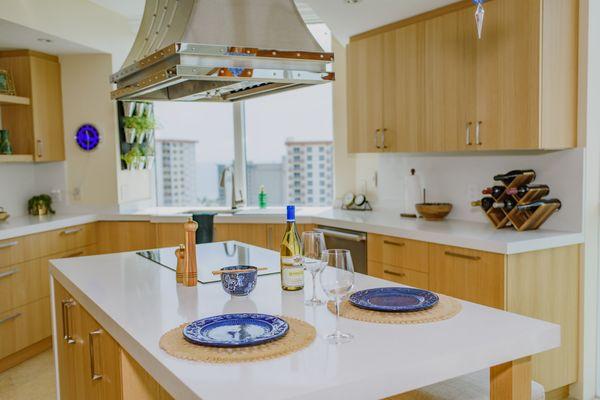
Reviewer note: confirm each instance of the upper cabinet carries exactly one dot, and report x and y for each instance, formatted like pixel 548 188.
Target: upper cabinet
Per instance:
pixel 36 129
pixel 429 85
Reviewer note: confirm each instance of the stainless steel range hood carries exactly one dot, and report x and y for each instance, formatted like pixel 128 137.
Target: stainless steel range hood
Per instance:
pixel 220 50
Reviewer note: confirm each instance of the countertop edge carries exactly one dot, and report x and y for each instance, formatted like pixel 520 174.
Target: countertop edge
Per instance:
pixel 561 239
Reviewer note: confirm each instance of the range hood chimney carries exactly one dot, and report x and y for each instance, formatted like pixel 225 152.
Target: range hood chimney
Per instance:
pixel 220 50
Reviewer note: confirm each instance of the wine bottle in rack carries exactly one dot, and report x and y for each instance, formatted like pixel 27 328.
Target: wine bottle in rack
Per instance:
pixel 508 177
pixel 536 204
pixel 541 190
pixel 495 191
pixel 485 203
pixel 507 204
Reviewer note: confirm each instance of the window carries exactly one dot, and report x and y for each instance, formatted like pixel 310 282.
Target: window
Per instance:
pixel 197 142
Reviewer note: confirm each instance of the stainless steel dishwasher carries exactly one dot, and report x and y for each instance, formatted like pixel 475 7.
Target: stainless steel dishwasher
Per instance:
pixel 356 242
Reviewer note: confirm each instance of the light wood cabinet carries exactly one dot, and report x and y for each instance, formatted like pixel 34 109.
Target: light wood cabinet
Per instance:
pixel 117 237
pixel 470 275
pixel 36 128
pixel 263 235
pixel 445 90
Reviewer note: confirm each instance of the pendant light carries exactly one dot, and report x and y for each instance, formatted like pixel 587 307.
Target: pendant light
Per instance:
pixel 479 14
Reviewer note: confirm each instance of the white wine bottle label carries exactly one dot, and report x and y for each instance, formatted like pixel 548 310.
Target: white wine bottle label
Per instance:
pixel 292 276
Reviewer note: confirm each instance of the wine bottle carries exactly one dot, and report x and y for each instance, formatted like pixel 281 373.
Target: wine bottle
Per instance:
pixel 495 191
pixel 535 204
pixel 542 190
pixel 508 204
pixel 292 272
pixel 485 203
pixel 509 176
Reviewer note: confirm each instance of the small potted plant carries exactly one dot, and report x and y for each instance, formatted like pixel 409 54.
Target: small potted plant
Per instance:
pixel 40 205
pixel 149 156
pixel 131 125
pixel 131 158
pixel 140 108
pixel 145 125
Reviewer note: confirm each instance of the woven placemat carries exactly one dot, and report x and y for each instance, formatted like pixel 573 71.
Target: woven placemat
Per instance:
pixel 446 308
pixel 299 336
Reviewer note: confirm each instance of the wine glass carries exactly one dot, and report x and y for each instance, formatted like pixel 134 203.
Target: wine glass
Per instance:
pixel 337 280
pixel 313 245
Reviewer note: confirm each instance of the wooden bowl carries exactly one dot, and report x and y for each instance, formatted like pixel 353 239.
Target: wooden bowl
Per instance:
pixel 4 216
pixel 434 211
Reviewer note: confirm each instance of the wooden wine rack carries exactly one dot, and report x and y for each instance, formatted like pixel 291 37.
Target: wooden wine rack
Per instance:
pixel 520 220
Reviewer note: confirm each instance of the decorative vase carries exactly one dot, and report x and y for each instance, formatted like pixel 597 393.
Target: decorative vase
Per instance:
pixel 5 147
pixel 140 137
pixel 129 108
pixel 139 109
pixel 39 209
pixel 130 135
pixel 149 162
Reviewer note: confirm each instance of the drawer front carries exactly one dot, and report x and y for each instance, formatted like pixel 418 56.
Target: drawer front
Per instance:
pixel 398 252
pixel 67 239
pixel 23 283
pixel 405 276
pixel 24 326
pixel 16 250
pixel 470 275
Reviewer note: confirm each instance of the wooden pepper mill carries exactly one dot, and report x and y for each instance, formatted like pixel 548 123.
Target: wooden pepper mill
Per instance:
pixel 190 269
pixel 180 254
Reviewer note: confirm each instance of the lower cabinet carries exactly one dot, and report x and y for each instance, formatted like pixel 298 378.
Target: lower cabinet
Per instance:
pixel 91 364
pixel 262 235
pixel 539 284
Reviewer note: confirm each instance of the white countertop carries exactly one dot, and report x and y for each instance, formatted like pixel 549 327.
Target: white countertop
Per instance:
pixel 137 301
pixel 472 235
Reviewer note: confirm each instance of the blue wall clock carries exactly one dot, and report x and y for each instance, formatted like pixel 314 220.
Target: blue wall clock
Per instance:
pixel 87 137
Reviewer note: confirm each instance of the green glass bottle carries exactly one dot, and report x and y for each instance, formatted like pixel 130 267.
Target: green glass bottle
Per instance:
pixel 262 197
pixel 5 147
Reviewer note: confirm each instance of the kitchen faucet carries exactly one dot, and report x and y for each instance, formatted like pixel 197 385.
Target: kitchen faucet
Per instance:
pixel 234 202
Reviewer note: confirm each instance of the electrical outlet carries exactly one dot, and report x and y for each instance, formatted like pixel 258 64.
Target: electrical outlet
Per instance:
pixel 56 195
pixel 77 194
pixel 473 191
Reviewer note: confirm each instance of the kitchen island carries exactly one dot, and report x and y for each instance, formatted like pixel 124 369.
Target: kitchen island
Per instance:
pixel 134 301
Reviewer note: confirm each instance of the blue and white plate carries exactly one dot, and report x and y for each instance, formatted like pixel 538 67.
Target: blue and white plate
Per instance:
pixel 235 330
pixel 394 299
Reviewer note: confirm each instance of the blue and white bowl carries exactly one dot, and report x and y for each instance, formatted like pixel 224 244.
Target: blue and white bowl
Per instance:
pixel 239 283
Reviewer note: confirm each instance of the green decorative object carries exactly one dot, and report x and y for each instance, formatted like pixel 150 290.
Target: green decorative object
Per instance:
pixel 262 197
pixel 40 205
pixel 5 147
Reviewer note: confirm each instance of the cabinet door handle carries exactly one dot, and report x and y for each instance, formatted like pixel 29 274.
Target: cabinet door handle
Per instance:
pixel 10 317
pixel 377 138
pixel 465 256
pixel 393 243
pixel 66 306
pixel 40 148
pixel 94 375
pixel 477 132
pixel 400 274
pixel 468 133
pixel 383 131
pixel 8 244
pixel 71 231
pixel 9 273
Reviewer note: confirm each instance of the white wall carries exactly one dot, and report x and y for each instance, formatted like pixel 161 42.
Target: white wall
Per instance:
pixel 459 179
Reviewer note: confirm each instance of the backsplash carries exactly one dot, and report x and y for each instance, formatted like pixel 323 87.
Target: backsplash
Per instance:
pixel 19 182
pixel 459 179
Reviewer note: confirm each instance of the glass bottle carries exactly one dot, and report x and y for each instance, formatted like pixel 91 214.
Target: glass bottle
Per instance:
pixel 5 147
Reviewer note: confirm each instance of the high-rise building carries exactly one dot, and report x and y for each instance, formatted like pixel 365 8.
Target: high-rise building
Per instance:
pixel 176 172
pixel 309 172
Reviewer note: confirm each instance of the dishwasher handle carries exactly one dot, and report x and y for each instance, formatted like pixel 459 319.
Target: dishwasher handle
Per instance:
pixel 356 237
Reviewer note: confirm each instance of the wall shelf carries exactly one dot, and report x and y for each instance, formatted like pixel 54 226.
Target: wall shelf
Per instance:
pixel 6 99
pixel 22 158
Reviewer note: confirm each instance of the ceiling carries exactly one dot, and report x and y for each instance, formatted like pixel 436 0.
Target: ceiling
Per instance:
pixel 346 20
pixel 15 36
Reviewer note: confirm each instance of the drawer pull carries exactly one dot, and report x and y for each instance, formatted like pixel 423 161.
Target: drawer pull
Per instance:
pixel 8 244
pixel 465 256
pixel 10 318
pixel 71 231
pixel 393 243
pixel 8 273
pixel 95 376
pixel 66 306
pixel 400 274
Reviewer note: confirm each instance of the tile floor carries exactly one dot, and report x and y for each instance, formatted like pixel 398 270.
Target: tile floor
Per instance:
pixel 30 380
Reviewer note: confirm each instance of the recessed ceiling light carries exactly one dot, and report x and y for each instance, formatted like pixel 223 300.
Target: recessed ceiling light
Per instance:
pixel 44 40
